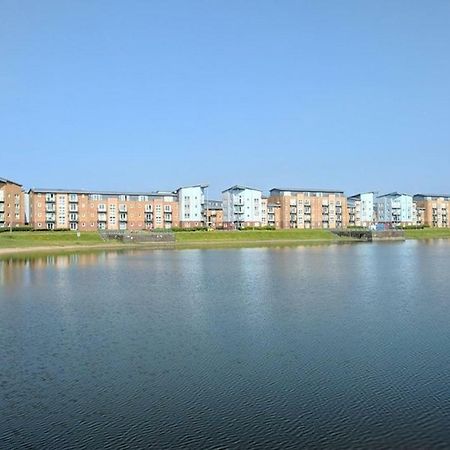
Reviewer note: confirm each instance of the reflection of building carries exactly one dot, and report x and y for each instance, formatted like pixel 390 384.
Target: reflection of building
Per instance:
pixel 361 209
pixel 192 206
pixel 86 210
pixel 432 210
pixel 241 207
pixel 12 209
pixel 214 210
pixel 396 209
pixel 310 208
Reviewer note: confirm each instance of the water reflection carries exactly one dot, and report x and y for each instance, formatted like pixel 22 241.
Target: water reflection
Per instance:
pixel 338 346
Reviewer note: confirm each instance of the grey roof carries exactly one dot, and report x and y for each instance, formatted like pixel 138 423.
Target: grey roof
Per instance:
pixel 87 192
pixel 240 187
pixel 358 196
pixel 5 180
pixel 394 194
pixel 194 185
pixel 326 191
pixel 432 195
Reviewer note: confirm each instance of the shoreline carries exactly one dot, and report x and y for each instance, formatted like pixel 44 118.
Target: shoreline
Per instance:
pixel 51 249
pixel 192 244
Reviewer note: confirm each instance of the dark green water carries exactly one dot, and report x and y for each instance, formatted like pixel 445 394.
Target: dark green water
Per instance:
pixel 336 346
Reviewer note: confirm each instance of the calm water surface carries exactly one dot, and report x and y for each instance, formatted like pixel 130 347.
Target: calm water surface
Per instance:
pixel 333 346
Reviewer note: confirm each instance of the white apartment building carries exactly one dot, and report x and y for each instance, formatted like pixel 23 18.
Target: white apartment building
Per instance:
pixel 192 200
pixel 242 207
pixel 396 209
pixel 361 209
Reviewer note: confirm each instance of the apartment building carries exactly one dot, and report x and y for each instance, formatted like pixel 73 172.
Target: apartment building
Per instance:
pixel 396 209
pixel 310 208
pixel 361 209
pixel 241 207
pixel 88 211
pixel 432 210
pixel 12 207
pixel 192 200
pixel 270 214
pixel 214 212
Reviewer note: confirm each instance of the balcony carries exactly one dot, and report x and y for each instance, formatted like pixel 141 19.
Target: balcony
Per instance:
pixel 50 198
pixel 122 208
pixel 101 208
pixel 50 208
pixel 73 198
pixel 2 208
pixel 50 217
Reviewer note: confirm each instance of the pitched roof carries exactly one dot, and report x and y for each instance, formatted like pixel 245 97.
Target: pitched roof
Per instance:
pixel 5 180
pixel 240 187
pixel 193 186
pixel 432 195
pixel 394 194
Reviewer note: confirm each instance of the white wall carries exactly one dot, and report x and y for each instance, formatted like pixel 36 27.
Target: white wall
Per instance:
pixel 191 200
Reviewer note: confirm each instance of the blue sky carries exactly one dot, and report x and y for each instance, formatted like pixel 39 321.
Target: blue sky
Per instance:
pixel 144 95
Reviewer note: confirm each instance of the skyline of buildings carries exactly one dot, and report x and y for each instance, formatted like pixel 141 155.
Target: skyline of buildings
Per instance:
pixel 240 207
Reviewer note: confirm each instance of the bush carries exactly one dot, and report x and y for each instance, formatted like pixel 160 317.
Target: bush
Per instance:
pixel 178 229
pixel 19 228
pixel 266 228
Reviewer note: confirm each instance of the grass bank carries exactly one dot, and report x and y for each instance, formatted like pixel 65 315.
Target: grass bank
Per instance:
pixel 255 235
pixel 428 233
pixel 67 241
pixel 23 242
pixel 28 239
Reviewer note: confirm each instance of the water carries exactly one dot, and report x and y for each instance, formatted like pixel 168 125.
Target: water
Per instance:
pixel 331 346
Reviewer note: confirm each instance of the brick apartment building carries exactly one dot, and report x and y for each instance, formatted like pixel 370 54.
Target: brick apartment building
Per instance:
pixel 87 211
pixel 12 204
pixel 432 210
pixel 310 208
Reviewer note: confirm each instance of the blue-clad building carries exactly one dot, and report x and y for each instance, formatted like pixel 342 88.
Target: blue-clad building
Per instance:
pixel 396 209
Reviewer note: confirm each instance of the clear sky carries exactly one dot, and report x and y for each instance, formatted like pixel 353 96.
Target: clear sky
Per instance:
pixel 154 94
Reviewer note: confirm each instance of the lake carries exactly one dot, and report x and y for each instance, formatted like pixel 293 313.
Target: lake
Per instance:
pixel 332 346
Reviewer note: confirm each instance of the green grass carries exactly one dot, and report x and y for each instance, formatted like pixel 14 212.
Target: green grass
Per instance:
pixel 255 235
pixel 428 233
pixel 47 238
pixel 23 239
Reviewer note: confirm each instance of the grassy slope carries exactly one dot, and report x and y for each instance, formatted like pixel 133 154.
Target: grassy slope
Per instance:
pixel 45 238
pixel 254 235
pixel 67 238
pixel 428 233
